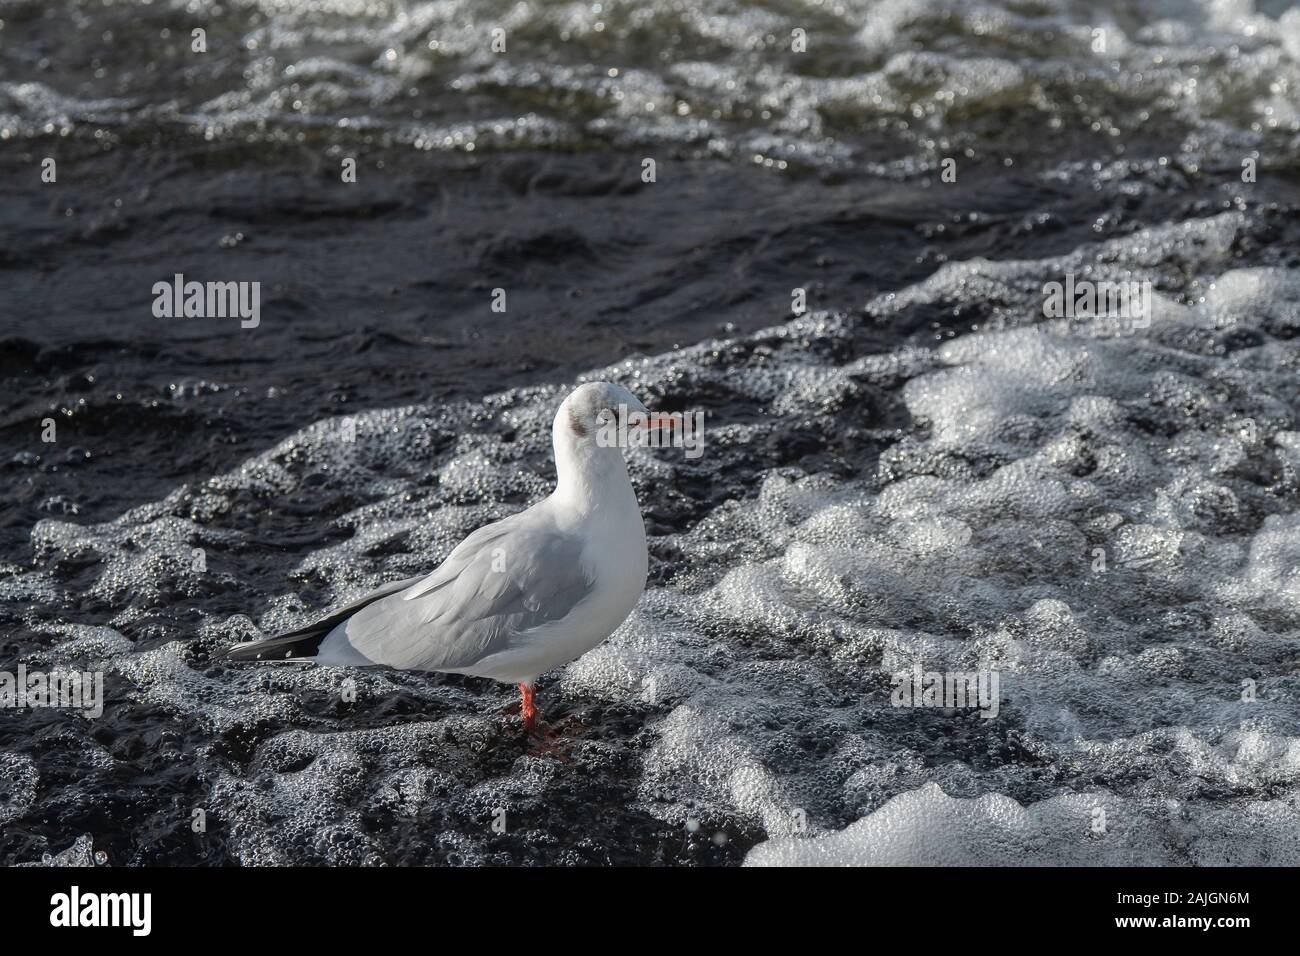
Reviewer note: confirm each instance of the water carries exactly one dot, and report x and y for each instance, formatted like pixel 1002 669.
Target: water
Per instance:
pixel 922 469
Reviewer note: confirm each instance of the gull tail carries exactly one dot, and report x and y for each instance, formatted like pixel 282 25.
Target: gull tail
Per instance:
pixel 303 643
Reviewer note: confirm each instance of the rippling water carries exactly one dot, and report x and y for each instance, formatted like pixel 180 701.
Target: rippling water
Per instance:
pixel 809 84
pixel 923 468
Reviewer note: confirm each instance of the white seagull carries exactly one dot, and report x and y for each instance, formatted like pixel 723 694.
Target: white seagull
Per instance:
pixel 522 595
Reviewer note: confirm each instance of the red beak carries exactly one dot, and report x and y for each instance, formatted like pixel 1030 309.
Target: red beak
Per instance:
pixel 655 421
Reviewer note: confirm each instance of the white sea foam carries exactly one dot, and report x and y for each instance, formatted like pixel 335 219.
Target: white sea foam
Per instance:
pixel 1104 518
pixel 926 827
pixel 724 79
pixel 18 781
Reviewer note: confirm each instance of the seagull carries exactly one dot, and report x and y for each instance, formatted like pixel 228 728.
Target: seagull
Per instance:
pixel 522 595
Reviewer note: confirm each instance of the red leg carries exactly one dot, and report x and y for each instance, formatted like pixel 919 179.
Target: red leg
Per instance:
pixel 528 707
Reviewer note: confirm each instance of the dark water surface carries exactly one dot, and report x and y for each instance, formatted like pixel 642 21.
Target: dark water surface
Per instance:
pixel 925 391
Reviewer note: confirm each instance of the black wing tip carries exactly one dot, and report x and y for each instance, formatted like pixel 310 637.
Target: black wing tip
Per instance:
pixel 286 648
pixel 305 642
pixel 249 651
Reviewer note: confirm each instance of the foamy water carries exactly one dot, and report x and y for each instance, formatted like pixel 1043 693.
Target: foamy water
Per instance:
pixel 945 504
pixel 883 84
pixel 939 476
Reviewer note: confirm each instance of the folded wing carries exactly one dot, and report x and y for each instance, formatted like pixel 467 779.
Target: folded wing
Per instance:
pixel 305 641
pixel 501 582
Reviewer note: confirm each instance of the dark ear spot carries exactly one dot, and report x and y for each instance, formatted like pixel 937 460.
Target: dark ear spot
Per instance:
pixel 576 424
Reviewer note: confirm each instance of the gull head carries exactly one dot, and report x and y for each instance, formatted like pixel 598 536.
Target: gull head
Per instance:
pixel 603 415
pixel 593 424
